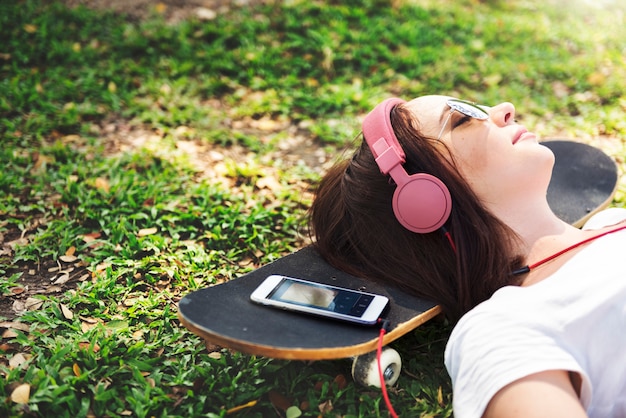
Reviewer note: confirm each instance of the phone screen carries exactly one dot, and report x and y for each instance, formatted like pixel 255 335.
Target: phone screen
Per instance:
pixel 321 297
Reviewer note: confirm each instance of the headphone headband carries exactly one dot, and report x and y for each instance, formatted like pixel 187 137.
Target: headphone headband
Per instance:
pixel 380 137
pixel 421 202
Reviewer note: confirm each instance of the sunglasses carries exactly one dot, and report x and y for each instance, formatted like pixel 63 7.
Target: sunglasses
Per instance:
pixel 466 108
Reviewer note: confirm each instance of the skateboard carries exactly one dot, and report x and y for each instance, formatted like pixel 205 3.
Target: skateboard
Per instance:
pixel 584 181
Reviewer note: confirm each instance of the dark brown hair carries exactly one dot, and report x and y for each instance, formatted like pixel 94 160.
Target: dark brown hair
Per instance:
pixel 354 228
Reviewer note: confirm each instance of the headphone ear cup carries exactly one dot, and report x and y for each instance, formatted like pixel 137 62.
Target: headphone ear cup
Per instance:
pixel 422 204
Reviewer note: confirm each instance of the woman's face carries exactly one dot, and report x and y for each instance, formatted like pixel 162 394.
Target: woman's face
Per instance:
pixel 499 158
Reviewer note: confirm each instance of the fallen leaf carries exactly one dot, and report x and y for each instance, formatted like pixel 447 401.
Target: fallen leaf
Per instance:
pixel 67 313
pixel 33 304
pixel 103 184
pixel 86 326
pixel 17 290
pixel 18 306
pixel 147 231
pixel 17 360
pixel 91 236
pixel 279 400
pixel 203 13
pixel 63 278
pixel 160 8
pixel 70 251
pixel 68 258
pixel 87 346
pixel 15 325
pixel 9 333
pixel 326 407
pixel 76 370
pixel 21 394
pixel 30 28
pixel 269 183
pixel 341 381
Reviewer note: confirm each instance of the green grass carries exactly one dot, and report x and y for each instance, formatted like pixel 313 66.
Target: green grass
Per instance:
pixel 149 223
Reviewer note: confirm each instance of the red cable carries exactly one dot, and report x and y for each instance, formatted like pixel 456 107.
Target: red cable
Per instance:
pixel 571 247
pixel 383 386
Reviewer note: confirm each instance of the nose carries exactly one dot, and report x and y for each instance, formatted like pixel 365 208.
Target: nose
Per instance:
pixel 502 114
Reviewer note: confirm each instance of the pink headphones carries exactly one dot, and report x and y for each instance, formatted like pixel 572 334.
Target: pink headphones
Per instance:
pixel 421 202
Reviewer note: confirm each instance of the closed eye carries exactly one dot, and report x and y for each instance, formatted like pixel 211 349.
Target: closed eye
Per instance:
pixel 460 121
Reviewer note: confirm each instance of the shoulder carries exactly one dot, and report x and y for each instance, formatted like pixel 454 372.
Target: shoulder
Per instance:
pixel 497 343
pixel 605 218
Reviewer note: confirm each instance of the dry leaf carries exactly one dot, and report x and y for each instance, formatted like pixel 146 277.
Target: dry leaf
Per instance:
pixel 279 400
pixel 33 304
pixel 76 370
pixel 18 359
pixel 18 306
pixel 30 28
pixel 86 326
pixel 326 407
pixel 87 346
pixel 67 313
pixel 68 258
pixel 15 325
pixel 103 184
pixel 160 8
pixel 91 237
pixel 64 278
pixel 341 381
pixel 146 231
pixel 70 251
pixel 21 394
pixel 9 333
pixel 17 290
pixel 269 183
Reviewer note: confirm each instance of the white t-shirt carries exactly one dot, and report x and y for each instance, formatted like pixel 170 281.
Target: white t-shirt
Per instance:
pixel 574 320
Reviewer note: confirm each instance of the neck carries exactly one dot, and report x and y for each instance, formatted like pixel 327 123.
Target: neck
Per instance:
pixel 540 231
pixel 533 221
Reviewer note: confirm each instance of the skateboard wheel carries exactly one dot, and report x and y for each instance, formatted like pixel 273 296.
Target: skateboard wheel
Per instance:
pixel 365 368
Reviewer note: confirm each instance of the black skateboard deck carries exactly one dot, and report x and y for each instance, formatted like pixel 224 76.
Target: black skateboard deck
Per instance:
pixel 224 314
pixel 584 181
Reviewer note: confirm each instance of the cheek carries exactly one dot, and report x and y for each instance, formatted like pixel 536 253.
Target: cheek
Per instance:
pixel 489 171
pixel 474 160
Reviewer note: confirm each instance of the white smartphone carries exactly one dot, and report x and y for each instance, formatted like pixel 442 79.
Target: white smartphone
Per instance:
pixel 320 299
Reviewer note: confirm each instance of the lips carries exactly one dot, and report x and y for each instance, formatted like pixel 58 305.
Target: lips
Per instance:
pixel 520 134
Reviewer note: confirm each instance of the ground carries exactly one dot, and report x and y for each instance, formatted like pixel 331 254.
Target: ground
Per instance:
pixel 58 276
pixel 172 10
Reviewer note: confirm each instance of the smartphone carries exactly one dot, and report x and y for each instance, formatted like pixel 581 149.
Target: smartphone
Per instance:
pixel 320 299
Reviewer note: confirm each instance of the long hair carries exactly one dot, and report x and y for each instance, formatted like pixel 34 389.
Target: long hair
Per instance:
pixel 354 228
